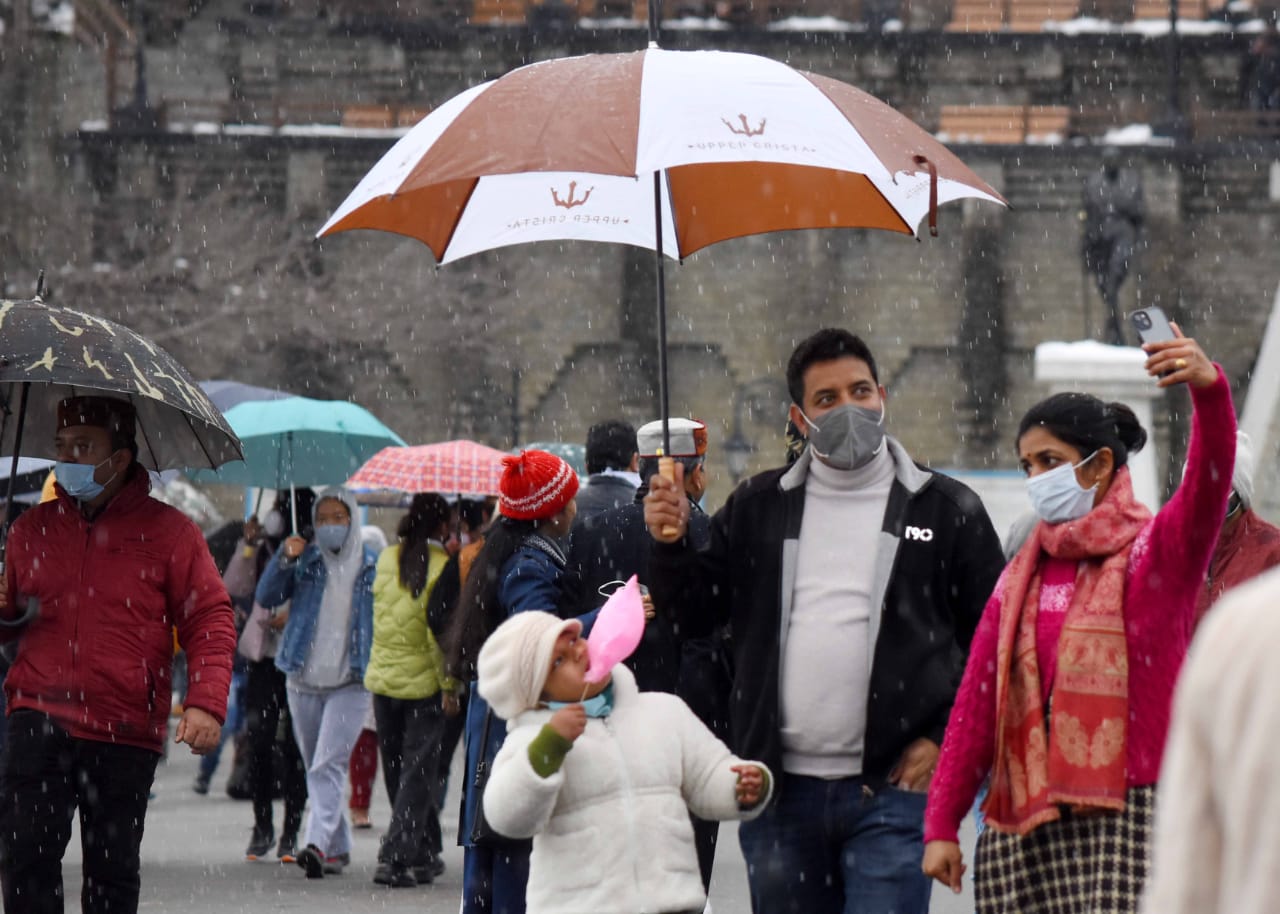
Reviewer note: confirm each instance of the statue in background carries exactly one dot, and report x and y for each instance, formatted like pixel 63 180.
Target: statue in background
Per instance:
pixel 1113 215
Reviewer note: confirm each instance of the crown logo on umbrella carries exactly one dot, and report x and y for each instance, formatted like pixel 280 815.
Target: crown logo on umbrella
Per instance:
pixel 568 202
pixel 747 129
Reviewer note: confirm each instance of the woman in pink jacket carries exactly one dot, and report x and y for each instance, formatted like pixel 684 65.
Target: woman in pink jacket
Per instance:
pixel 1065 698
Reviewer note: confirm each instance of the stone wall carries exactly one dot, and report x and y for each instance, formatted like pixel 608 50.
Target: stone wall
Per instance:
pixel 566 330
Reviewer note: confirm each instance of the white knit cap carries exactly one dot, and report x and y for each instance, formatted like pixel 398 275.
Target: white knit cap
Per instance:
pixel 1242 472
pixel 513 664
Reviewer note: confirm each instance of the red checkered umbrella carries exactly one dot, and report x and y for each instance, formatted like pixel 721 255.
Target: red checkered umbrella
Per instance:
pixel 461 467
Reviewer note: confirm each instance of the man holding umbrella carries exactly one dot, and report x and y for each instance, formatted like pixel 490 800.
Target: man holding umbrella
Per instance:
pixel 852 583
pixel 99 578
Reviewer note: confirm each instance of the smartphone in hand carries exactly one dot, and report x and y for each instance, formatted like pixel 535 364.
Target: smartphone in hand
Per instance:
pixel 1152 325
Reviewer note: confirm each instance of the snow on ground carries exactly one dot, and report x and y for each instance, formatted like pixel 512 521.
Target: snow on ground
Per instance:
pixel 1132 135
pixel 693 23
pixel 814 24
pixel 1091 352
pixel 55 16
pixel 212 128
pixel 1088 25
pixel 612 22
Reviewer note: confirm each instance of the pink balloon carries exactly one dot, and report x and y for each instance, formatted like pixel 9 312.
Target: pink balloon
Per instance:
pixel 617 632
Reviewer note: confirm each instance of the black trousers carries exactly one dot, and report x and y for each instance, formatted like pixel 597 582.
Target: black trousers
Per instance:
pixel 453 727
pixel 409 734
pixel 266 708
pixel 706 682
pixel 45 776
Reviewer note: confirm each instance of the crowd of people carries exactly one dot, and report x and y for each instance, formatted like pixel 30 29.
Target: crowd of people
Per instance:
pixel 841 657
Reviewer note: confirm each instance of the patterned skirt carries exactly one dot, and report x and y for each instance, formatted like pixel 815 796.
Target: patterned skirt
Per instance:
pixel 1079 864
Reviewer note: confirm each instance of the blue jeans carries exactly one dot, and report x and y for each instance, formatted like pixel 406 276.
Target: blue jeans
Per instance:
pixel 234 724
pixel 494 880
pixel 829 847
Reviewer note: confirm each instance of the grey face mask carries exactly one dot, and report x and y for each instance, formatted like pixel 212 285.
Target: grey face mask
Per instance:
pixel 848 437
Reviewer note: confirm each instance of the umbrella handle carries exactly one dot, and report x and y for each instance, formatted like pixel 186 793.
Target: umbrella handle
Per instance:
pixel 933 192
pixel 667 470
pixel 13 468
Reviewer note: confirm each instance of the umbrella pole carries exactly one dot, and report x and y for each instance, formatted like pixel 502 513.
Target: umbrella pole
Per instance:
pixel 664 402
pixel 32 608
pixel 666 465
pixel 13 468
pixel 654 16
pixel 293 492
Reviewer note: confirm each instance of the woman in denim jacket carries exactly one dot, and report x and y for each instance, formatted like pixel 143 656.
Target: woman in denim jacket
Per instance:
pixel 323 653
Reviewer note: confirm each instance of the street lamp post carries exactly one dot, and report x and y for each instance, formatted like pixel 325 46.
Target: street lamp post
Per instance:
pixel 737 453
pixel 1176 122
pixel 761 398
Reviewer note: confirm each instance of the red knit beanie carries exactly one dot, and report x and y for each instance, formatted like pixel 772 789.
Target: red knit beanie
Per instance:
pixel 535 485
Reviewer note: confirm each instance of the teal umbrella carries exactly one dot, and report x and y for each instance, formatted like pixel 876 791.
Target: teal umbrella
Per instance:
pixel 298 441
pixel 573 454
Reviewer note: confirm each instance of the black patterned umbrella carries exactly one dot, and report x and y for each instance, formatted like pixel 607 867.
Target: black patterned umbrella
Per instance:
pixel 47 353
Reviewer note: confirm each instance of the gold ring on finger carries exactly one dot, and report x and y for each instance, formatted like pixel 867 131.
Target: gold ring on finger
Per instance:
pixel 1180 364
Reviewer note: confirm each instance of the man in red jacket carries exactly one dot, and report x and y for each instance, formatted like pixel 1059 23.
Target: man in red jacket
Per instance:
pixel 100 577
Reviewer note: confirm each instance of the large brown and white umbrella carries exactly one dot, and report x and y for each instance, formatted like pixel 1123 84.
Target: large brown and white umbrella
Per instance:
pixel 667 150
pixel 743 145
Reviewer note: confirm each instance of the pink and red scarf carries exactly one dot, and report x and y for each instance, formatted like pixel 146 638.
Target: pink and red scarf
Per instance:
pixel 1078 758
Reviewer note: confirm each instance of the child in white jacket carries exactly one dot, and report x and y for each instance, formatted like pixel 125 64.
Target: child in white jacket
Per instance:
pixel 602 776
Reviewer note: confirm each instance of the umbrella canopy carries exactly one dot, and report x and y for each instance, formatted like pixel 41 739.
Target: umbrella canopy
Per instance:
pixel 60 352
pixel 573 454
pixel 226 394
pixel 28 466
pixel 27 485
pixel 298 441
pixel 744 145
pixel 451 467
pixel 668 150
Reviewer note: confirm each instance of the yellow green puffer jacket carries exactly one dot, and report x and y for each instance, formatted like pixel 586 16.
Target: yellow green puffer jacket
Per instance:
pixel 406 662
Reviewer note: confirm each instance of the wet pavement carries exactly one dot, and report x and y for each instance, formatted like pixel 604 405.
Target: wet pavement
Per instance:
pixel 193 861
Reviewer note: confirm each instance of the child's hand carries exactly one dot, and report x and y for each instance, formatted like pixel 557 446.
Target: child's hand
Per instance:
pixel 569 722
pixel 750 785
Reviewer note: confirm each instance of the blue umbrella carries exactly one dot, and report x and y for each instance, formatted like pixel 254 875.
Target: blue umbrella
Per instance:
pixel 226 394
pixel 298 441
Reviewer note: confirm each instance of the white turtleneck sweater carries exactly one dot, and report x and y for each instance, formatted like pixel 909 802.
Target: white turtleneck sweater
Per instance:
pixel 826 661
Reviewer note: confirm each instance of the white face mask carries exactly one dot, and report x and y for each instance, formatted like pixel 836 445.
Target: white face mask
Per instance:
pixel 1058 497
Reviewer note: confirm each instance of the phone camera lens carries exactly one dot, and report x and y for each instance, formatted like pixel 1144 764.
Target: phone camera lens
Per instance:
pixel 1143 321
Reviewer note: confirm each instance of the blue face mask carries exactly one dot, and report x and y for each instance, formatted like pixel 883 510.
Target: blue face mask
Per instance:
pixel 598 706
pixel 1058 497
pixel 332 536
pixel 77 479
